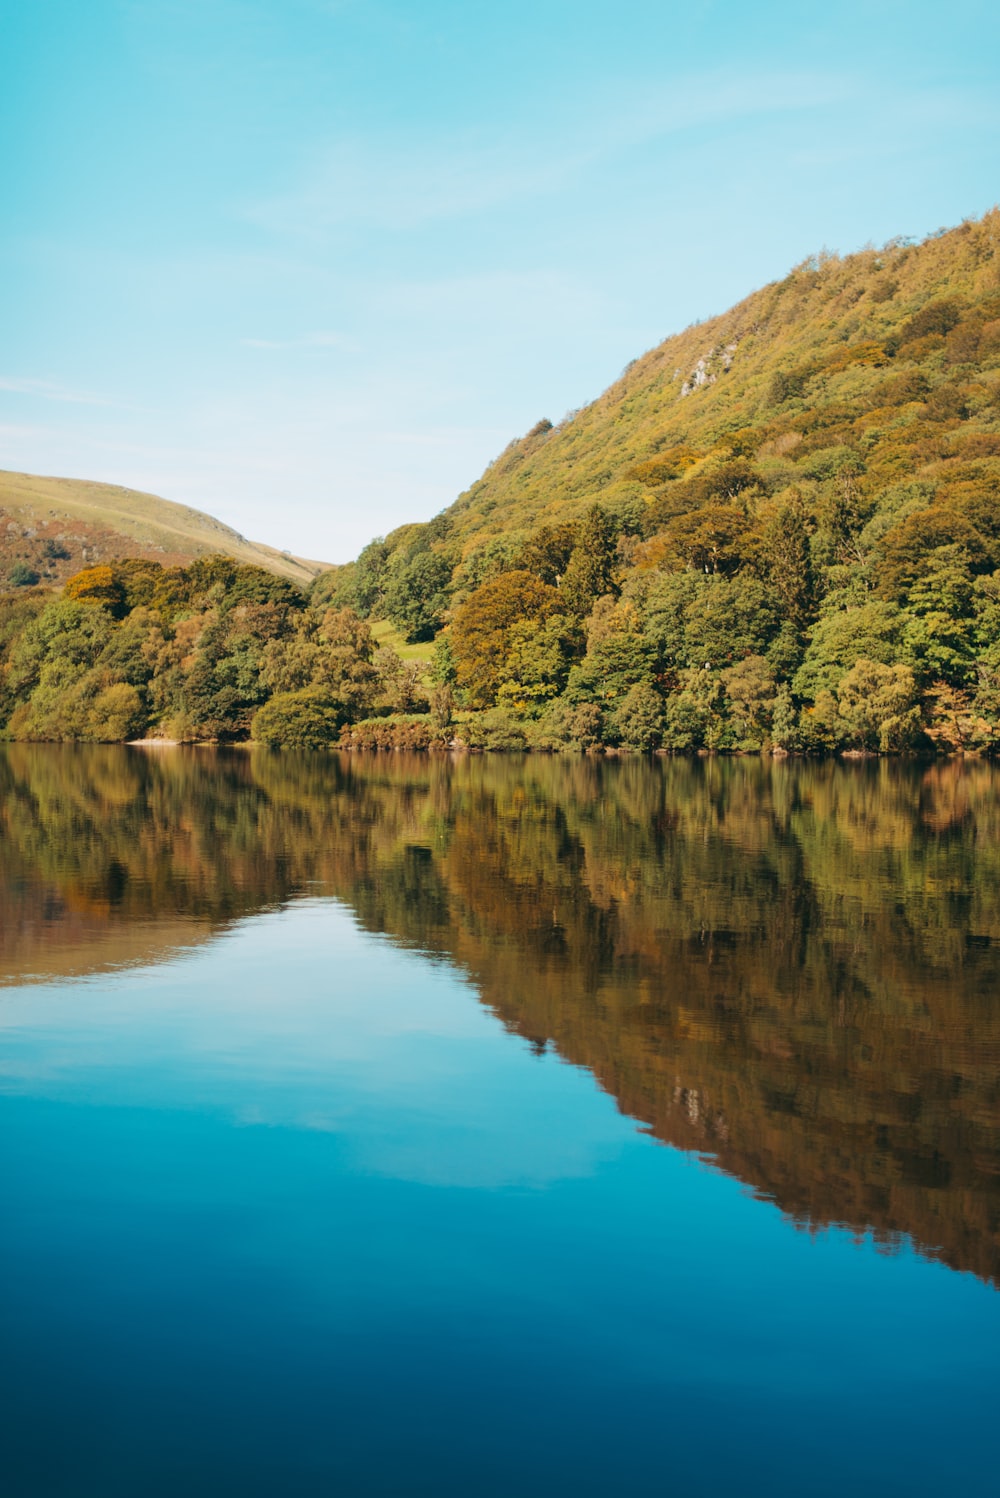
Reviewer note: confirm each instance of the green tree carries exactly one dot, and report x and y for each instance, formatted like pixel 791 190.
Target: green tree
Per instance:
pixel 749 687
pixel 878 707
pixel 547 551
pixel 116 714
pixel 415 596
pixel 638 720
pixel 369 577
pixel 909 551
pixel 843 636
pixel 538 659
pixel 307 719
pixel 481 631
pixel 591 571
pixel 710 538
pixel 782 556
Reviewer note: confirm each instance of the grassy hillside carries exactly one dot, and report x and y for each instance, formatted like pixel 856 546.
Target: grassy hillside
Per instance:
pixel 53 527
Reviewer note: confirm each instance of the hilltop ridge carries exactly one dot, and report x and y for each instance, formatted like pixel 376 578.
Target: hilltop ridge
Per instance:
pixel 54 526
pixel 823 336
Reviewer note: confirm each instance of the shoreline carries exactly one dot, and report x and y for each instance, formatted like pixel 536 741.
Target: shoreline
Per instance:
pixel 457 746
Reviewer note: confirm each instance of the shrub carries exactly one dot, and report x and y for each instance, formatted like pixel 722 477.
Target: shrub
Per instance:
pixel 397 732
pixel 307 719
pixel 496 729
pixel 117 714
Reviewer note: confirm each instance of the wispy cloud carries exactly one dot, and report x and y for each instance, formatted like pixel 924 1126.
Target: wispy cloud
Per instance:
pixel 48 390
pixel 397 184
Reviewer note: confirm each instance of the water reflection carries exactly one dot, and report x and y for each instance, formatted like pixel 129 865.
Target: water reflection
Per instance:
pixel 789 967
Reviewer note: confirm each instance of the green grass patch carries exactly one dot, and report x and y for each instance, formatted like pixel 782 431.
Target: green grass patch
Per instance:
pixel 387 635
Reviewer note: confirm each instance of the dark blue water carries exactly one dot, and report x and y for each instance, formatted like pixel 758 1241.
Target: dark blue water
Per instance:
pixel 290 1212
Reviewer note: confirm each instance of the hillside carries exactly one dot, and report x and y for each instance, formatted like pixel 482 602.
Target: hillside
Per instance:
pixel 873 350
pixel 53 527
pixel 781 526
pixel 780 530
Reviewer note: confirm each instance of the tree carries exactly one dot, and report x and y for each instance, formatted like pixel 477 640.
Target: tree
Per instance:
pixel 369 576
pixel 215 571
pixel 481 631
pixel 938 636
pixel 334 652
pixel 547 551
pixel 877 706
pixel 842 637
pixel 908 551
pixel 591 570
pixel 539 653
pixel 709 539
pixel 97 585
pixel 750 689
pixel 138 579
pixel 117 714
pixel 638 719
pixel 415 595
pixel 619 657
pixel 781 555
pixel 399 682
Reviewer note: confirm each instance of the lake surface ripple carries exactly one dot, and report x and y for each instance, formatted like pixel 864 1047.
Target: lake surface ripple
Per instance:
pixel 490 1125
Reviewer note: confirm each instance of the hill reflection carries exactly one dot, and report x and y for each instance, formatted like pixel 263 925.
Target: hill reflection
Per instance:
pixel 791 968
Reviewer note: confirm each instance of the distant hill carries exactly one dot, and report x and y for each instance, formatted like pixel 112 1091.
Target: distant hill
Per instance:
pixel 52 527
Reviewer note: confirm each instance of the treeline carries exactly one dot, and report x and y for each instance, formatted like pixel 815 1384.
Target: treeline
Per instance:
pixel 791 967
pixel 810 619
pixel 212 651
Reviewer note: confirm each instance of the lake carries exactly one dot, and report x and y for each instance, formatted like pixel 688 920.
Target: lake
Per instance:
pixel 489 1125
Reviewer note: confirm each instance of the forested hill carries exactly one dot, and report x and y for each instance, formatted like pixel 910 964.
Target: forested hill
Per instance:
pixel 782 525
pixel 778 530
pixel 880 352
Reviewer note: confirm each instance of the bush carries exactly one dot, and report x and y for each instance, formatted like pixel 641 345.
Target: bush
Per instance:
pixel 400 731
pixel 495 729
pixel 117 715
pixel 307 719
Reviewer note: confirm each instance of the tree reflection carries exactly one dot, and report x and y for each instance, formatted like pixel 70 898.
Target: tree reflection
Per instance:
pixel 789 967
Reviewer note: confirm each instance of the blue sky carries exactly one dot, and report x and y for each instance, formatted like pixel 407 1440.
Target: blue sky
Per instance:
pixel 310 264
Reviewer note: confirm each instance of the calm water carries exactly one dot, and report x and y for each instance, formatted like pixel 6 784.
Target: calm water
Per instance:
pixel 498 1126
